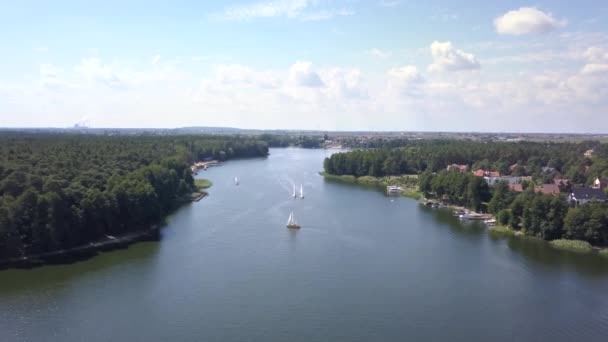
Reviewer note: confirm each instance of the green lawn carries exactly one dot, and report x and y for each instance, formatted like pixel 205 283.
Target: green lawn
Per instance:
pixel 202 183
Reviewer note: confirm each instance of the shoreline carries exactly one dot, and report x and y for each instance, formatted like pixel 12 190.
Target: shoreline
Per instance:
pixel 92 249
pixel 83 252
pixel 558 244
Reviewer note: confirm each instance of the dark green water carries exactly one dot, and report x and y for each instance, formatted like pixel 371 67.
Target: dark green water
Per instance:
pixel 364 267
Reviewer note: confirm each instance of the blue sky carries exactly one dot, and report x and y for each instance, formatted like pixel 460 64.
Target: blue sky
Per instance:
pixel 306 64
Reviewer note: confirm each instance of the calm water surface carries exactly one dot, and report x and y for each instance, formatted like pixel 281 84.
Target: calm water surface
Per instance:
pixel 364 267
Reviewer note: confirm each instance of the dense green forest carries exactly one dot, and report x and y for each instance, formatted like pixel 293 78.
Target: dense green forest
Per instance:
pixel 286 140
pixel 417 156
pixel 545 216
pixel 61 191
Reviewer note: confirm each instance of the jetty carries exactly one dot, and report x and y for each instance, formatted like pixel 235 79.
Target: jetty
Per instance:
pixel 203 165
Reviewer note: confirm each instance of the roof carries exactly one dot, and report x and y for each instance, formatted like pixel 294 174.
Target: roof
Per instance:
pixel 479 173
pixel 493 173
pixel 561 180
pixel 516 187
pixel 547 189
pixel 589 193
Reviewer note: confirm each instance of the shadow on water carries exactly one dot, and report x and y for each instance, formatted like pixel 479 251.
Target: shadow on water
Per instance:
pixel 540 252
pixel 533 249
pixel 19 280
pixel 472 230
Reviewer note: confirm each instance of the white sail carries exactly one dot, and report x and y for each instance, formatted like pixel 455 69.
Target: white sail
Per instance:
pixel 291 220
pixel 301 191
pixel 294 191
pixel 236 181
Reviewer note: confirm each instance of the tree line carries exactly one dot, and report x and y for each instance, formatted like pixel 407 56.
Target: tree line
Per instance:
pixel 61 191
pixel 545 216
pixel 543 161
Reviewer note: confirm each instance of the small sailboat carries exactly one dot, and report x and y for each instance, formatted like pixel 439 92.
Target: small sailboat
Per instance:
pixel 301 191
pixel 291 222
pixel 236 181
pixel 294 192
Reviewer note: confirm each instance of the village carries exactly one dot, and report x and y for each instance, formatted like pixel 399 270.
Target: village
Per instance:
pixel 575 195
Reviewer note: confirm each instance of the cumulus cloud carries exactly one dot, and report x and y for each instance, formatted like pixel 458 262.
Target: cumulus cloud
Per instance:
pixel 344 83
pixel 597 61
pixel 302 74
pixel 526 20
pixel 448 58
pixel 404 80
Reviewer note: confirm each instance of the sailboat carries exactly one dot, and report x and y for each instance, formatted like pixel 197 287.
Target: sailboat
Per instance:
pixel 236 181
pixel 301 191
pixel 294 192
pixel 291 222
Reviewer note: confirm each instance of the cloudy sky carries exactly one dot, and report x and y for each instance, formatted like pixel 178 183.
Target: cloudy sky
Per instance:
pixel 306 64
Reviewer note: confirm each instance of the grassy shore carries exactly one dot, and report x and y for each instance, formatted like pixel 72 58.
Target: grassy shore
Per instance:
pixel 572 245
pixel 407 182
pixel 202 183
pixel 502 230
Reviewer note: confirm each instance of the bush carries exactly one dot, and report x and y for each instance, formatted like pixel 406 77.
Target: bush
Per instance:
pixel 572 245
pixel 503 217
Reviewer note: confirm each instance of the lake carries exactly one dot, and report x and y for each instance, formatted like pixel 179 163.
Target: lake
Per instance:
pixel 364 267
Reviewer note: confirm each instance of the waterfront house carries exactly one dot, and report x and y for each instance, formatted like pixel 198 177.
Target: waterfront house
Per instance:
pixel 516 187
pixel 547 189
pixel 458 167
pixel 492 180
pixel 580 196
pixel 485 173
pixel 600 183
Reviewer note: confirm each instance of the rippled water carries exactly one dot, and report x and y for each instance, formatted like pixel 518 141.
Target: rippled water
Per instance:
pixel 364 267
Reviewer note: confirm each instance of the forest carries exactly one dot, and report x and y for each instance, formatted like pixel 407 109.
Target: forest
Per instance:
pixel 59 191
pixel 545 216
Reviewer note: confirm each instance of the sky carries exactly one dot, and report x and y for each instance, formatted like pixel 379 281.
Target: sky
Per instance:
pixel 397 65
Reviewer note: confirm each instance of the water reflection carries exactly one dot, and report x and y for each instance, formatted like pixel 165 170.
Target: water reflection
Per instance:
pixel 533 249
pixel 13 280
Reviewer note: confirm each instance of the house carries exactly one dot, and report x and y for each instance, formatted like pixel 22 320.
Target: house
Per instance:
pixel 600 183
pixel 548 169
pixel 516 187
pixel 485 173
pixel 589 153
pixel 458 167
pixel 547 189
pixel 492 180
pixel 563 184
pixel 580 196
pixel 479 173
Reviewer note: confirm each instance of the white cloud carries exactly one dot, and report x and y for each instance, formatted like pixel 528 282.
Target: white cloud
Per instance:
pixel 305 10
pixel 94 70
pixel 526 20
pixel 597 61
pixel 268 9
pixel 447 58
pixel 595 68
pixel 390 3
pixel 301 74
pixel 380 54
pixel 327 14
pixel 404 81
